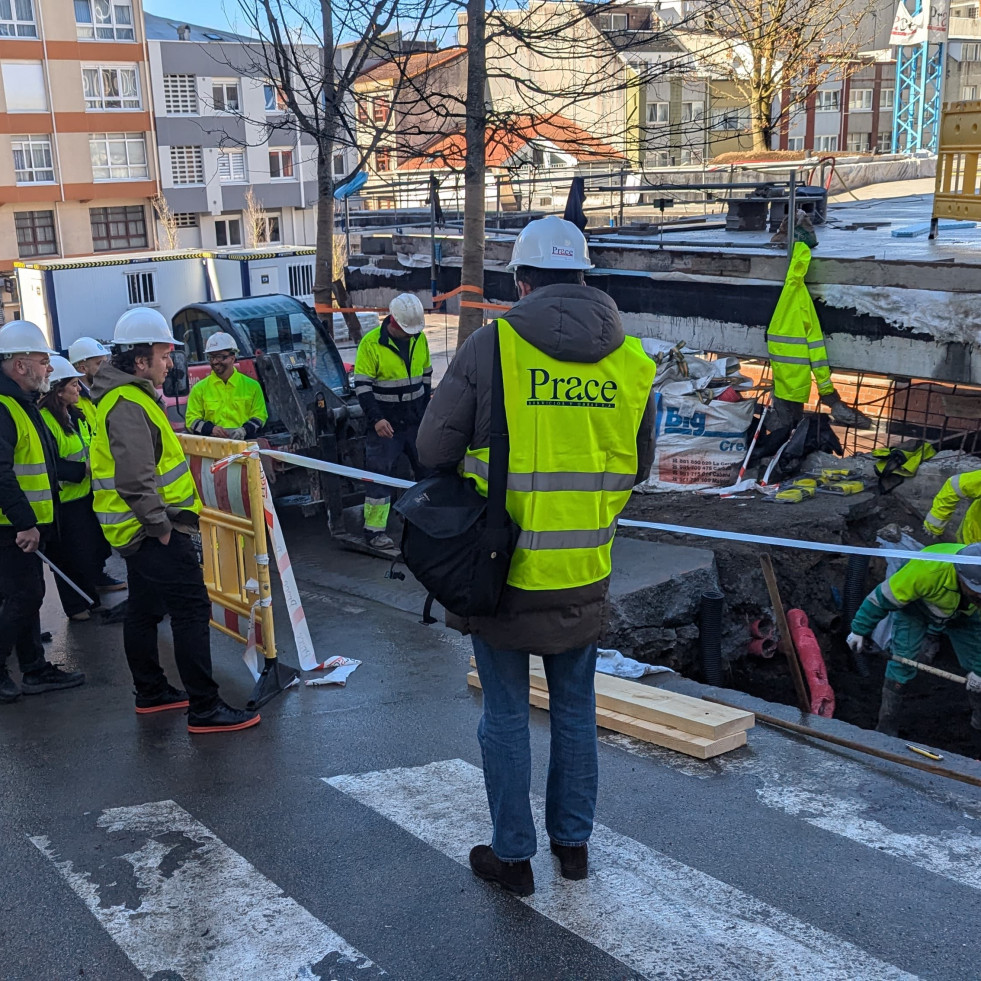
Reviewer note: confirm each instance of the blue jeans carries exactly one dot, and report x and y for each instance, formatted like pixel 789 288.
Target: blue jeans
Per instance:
pixel 570 793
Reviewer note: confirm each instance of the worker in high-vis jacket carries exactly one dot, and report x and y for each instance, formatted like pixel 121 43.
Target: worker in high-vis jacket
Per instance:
pixel 580 418
pixel 926 599
pixel 795 346
pixel 960 487
pixel 393 376
pixel 227 403
pixel 87 356
pixel 148 506
pixel 30 469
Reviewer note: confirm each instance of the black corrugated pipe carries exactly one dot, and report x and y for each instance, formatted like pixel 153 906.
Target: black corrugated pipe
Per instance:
pixel 858 568
pixel 710 635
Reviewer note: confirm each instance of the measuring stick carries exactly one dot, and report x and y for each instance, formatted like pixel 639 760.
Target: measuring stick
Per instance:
pixel 85 596
pixel 929 668
pixel 752 444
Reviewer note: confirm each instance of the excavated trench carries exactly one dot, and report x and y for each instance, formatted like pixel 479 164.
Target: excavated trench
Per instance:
pixel 937 712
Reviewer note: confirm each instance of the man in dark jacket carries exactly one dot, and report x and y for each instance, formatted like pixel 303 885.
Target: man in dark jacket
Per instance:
pixel 581 422
pixel 30 469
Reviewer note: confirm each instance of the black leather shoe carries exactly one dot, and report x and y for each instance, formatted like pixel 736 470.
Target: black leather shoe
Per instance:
pixel 50 678
pixel 516 877
pixel 162 701
pixel 221 718
pixel 573 860
pixel 9 689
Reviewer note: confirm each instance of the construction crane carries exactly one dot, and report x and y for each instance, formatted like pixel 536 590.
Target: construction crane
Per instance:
pixel 920 38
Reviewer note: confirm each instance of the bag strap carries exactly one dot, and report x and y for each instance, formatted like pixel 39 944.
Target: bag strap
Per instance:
pixel 499 444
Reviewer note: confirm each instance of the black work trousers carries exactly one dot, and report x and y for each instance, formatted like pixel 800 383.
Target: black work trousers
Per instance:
pixel 21 596
pixel 80 551
pixel 166 579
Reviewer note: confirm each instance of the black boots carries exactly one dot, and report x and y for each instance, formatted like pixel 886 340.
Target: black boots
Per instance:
pixel 573 860
pixel 891 708
pixel 516 877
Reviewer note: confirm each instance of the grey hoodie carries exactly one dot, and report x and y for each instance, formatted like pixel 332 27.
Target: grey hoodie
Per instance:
pixel 136 447
pixel 568 323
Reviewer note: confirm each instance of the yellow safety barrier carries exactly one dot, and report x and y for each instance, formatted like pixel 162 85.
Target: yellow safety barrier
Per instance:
pixel 233 535
pixel 958 194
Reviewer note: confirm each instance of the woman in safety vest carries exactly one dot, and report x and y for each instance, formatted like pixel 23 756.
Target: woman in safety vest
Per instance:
pixel 80 549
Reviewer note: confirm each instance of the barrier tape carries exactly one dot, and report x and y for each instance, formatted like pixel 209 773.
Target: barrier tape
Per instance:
pixel 729 536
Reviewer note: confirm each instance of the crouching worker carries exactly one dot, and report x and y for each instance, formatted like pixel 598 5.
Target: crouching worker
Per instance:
pixel 926 598
pixel 227 404
pixel 148 506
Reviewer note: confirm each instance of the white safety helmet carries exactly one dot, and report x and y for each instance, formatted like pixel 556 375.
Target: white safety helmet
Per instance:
pixel 62 369
pixel 22 337
pixel 550 243
pixel 141 325
pixel 87 347
pixel 406 310
pixel 970 575
pixel 220 342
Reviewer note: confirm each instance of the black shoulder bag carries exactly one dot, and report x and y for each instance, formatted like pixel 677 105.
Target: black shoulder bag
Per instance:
pixel 457 543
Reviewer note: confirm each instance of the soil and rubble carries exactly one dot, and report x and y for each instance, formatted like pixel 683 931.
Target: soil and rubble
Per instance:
pixel 937 712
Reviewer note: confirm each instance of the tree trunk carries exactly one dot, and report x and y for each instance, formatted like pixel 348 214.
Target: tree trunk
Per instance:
pixel 472 270
pixel 324 259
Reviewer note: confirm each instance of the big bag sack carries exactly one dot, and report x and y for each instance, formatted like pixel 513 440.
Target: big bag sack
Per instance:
pixel 456 542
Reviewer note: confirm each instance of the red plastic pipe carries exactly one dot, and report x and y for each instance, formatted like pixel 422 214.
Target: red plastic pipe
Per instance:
pixel 812 664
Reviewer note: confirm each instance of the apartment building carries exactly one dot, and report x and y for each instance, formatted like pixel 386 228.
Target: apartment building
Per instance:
pixel 223 129
pixel 76 143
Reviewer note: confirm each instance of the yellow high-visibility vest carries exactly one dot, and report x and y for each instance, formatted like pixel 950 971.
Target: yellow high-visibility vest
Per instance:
pixel 175 485
pixel 573 457
pixel 960 487
pixel 30 467
pixel 89 411
pixel 74 446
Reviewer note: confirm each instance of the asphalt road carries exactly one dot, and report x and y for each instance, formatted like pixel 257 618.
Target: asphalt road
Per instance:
pixel 331 840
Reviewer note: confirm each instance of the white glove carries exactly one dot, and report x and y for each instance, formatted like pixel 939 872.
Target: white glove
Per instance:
pixel 973 682
pixel 237 433
pixel 855 643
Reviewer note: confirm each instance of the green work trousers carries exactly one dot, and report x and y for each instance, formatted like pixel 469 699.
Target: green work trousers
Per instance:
pixel 910 627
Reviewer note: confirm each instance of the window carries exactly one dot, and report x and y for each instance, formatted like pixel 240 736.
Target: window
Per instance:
pixel 883 142
pixel 969 93
pixel 118 156
pixel 363 107
pixel 104 20
pixel 826 143
pixel 339 166
pixel 618 22
pixel 858 141
pixel 379 110
pixel 275 98
pixel 860 100
pixel 180 95
pixel 795 143
pixel 111 88
pixel 224 96
pixel 828 100
pixel 141 289
pixel 657 112
pixel 35 233
pixel 971 52
pixel 32 159
pixel 268 230
pixel 186 165
pixel 301 279
pixel 731 119
pixel 118 228
pixel 690 156
pixel 231 166
pixel 383 159
pixel 23 86
pixel 692 112
pixel 185 219
pixel 228 231
pixel 887 98
pixel 17 18
pixel 659 158
pixel 280 164
pixel 798 98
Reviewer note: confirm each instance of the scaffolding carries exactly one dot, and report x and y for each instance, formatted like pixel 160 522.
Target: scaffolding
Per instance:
pixel 920 63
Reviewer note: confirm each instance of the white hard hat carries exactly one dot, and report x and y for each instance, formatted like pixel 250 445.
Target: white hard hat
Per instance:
pixel 22 337
pixel 62 369
pixel 87 347
pixel 141 325
pixel 406 310
pixel 970 575
pixel 550 243
pixel 220 342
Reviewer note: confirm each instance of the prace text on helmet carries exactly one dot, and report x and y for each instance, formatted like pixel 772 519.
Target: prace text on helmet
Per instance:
pixel 550 243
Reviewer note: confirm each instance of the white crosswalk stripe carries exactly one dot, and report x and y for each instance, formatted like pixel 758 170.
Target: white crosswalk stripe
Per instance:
pixel 197 910
pixel 802 792
pixel 654 914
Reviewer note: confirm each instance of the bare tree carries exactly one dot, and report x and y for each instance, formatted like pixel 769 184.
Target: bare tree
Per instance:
pixel 254 219
pixel 167 220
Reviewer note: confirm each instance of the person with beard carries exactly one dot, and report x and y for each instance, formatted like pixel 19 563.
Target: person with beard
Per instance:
pixel 30 469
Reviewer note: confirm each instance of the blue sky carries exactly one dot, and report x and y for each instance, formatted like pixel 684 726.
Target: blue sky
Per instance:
pixel 207 13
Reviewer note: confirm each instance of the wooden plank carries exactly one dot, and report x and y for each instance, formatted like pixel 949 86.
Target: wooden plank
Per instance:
pixel 650 732
pixel 785 642
pixel 656 705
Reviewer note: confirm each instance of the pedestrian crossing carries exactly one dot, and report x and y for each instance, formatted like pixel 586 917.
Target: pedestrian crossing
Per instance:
pixel 179 902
